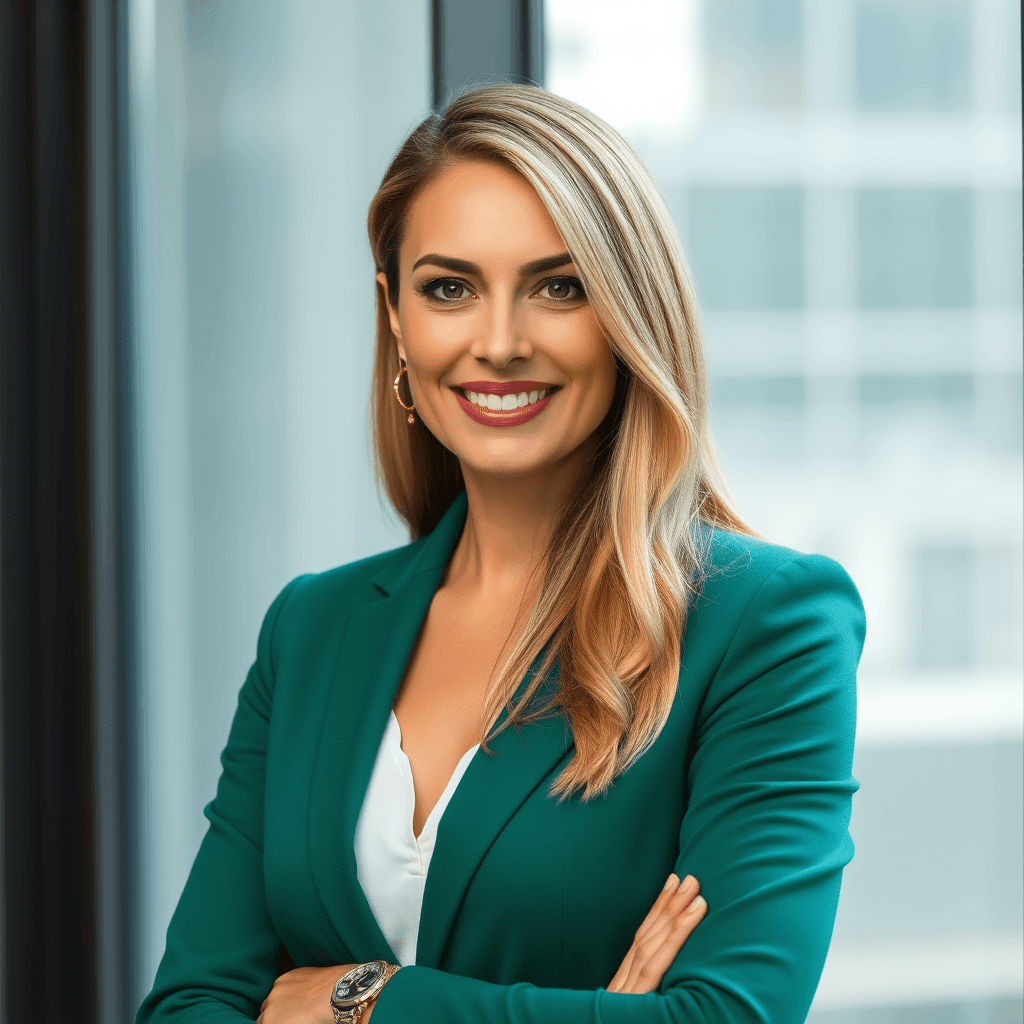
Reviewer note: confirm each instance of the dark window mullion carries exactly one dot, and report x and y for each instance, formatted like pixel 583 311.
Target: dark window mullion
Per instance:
pixel 47 783
pixel 483 42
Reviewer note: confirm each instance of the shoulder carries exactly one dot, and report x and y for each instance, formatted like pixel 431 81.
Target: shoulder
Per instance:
pixel 308 612
pixel 354 581
pixel 313 603
pixel 736 567
pixel 751 590
pixel 774 638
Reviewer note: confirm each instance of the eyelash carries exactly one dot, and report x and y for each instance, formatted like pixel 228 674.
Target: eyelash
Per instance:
pixel 428 288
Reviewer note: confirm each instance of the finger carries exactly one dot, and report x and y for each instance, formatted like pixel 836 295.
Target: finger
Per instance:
pixel 653 971
pixel 670 937
pixel 688 891
pixel 656 913
pixel 655 957
pixel 672 899
pixel 615 985
pixel 664 911
pixel 683 927
pixel 674 896
pixel 670 888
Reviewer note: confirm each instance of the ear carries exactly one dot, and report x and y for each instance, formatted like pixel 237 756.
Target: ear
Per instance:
pixel 396 327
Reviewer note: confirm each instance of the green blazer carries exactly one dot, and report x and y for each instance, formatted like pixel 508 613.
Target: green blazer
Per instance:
pixel 530 903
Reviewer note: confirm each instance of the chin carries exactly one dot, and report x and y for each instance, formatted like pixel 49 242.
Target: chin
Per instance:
pixel 507 458
pixel 507 468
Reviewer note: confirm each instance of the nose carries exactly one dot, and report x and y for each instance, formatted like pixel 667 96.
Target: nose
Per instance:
pixel 501 339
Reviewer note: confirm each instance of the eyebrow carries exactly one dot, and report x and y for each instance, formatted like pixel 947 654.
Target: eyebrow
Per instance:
pixel 466 267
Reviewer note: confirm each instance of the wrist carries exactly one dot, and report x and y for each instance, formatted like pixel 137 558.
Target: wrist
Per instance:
pixel 368 1008
pixel 355 992
pixel 393 969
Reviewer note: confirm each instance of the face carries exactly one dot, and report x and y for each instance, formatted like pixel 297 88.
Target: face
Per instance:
pixel 507 364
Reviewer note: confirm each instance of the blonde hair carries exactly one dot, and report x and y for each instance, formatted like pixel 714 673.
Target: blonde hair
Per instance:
pixel 627 557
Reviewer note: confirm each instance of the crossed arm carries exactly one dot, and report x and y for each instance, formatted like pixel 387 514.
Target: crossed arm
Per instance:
pixel 301 996
pixel 765 831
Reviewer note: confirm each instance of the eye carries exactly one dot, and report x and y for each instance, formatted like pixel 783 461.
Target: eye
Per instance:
pixel 444 289
pixel 561 289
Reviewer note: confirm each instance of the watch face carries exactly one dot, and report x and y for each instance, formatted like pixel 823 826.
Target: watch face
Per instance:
pixel 352 988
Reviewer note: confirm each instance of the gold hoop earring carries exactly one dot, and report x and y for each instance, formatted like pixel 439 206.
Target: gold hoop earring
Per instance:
pixel 410 419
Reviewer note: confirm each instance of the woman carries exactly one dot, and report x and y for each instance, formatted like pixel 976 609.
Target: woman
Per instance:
pixel 583 675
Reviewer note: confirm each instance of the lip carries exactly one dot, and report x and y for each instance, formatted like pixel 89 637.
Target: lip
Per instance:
pixel 512 418
pixel 506 387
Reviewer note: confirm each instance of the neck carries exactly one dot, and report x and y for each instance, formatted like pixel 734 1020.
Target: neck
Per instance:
pixel 509 524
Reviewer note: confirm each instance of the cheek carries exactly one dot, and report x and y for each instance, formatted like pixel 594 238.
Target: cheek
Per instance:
pixel 576 342
pixel 596 366
pixel 428 344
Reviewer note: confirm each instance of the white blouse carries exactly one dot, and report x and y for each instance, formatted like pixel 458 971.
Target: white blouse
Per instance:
pixel 392 862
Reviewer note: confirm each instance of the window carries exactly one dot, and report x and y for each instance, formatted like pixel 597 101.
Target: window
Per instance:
pixel 760 420
pixel 858 266
pixel 915 248
pixel 746 246
pixel 999 244
pixel 753 53
pixel 965 606
pixel 913 55
pixel 944 620
pixel 950 390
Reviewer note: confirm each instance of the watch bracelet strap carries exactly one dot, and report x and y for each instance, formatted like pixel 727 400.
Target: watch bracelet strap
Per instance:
pixel 354 1015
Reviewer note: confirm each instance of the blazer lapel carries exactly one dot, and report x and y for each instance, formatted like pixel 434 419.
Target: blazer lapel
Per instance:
pixel 494 787
pixel 377 642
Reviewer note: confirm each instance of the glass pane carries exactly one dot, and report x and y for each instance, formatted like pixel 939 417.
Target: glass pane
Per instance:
pixel 846 183
pixel 259 133
pixel 748 246
pixel 913 54
pixel 915 247
pixel 753 49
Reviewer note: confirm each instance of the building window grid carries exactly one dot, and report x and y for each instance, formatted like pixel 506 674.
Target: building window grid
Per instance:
pixel 864 303
pixel 848 389
pixel 809 401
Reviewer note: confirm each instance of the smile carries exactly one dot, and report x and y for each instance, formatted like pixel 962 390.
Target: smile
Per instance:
pixel 504 404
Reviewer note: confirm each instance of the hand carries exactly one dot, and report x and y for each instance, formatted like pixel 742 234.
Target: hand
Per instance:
pixel 303 996
pixel 670 922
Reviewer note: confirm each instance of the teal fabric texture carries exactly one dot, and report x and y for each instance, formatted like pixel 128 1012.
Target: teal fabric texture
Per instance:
pixel 531 902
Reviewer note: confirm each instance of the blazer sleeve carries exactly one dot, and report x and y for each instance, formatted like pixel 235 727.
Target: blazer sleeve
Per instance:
pixel 765 831
pixel 221 955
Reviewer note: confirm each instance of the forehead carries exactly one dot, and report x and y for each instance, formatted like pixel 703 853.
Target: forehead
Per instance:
pixel 482 212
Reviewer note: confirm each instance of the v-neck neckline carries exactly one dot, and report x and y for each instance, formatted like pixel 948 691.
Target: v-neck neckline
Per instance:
pixel 393 739
pixel 374 644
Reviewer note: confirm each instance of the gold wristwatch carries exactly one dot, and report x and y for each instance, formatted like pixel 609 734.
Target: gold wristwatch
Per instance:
pixel 353 991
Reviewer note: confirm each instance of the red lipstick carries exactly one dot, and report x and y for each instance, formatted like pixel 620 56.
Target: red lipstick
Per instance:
pixel 503 417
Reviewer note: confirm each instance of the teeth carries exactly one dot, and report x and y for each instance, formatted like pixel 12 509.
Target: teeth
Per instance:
pixel 505 403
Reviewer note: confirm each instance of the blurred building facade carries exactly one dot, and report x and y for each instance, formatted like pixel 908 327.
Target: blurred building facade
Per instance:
pixel 845 176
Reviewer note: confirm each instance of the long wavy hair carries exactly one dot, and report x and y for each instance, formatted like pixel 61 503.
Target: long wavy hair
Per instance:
pixel 626 558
